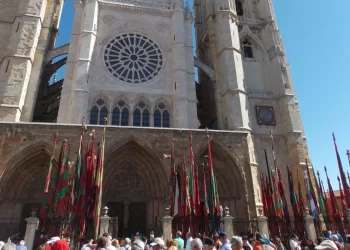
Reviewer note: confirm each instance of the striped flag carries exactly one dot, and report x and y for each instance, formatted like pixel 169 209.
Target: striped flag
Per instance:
pixel 206 207
pixel 312 201
pixel 98 182
pixel 192 189
pixel 62 184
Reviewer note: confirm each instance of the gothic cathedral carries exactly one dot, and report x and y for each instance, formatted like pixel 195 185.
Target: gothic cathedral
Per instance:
pixel 133 61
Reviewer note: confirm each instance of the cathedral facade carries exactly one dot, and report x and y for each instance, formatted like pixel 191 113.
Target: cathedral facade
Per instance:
pixel 132 62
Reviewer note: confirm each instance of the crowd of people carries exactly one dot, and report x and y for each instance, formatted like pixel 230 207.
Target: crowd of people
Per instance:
pixel 220 241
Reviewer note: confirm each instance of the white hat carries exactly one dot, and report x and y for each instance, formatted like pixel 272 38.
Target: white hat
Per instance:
pixel 157 241
pixel 52 240
pixel 327 244
pixel 127 240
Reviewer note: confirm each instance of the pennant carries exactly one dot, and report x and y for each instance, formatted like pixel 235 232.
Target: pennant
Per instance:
pixel 99 181
pixel 177 195
pixel 206 207
pixel 342 175
pixel 313 207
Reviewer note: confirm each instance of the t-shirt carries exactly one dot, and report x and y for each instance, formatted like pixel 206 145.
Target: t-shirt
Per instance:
pixel 226 246
pixel 180 242
pixel 257 246
pixel 188 243
pixel 60 245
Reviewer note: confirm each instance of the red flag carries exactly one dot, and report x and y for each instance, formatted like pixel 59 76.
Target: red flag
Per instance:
pixel 342 175
pixel 343 201
pixel 62 184
pixel 198 202
pixel 263 195
pixel 206 207
pixel 335 210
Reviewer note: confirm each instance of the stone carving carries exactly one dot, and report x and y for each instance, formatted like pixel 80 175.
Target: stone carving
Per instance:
pixel 137 3
pixel 109 19
pixel 162 27
pixel 133 25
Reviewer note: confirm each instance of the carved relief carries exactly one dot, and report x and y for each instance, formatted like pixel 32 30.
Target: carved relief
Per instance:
pixel 127 184
pixel 28 36
pixel 109 19
pixel 162 27
pixel 133 25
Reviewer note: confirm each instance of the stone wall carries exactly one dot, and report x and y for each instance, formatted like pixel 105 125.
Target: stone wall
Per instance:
pixel 26 148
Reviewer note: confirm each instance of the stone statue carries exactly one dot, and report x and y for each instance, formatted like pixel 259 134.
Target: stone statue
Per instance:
pixel 126 214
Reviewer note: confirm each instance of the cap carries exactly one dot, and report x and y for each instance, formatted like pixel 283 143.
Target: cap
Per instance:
pixel 236 239
pixel 208 241
pixel 327 244
pixel 157 241
pixel 127 240
pixel 52 240
pixel 222 234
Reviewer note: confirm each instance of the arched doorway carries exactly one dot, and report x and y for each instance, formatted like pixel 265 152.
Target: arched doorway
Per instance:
pixel 21 188
pixel 231 182
pixel 135 187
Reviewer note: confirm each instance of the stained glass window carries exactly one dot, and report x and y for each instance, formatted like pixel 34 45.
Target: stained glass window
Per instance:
pixel 133 58
pixel 141 115
pixel 120 115
pixel 161 116
pixel 98 112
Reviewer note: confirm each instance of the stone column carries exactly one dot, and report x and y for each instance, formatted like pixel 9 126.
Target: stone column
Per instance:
pixel 167 225
pixel 263 226
pixel 309 225
pixel 104 221
pixel 228 223
pixel 32 224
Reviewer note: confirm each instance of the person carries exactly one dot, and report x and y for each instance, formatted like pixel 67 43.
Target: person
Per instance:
pixel 40 247
pixel 334 238
pixel 216 241
pixel 257 244
pixel 295 243
pixel 208 244
pixel 111 246
pixel 279 244
pixel 151 237
pixel 21 246
pixel 158 244
pixel 327 245
pixel 196 244
pixel 9 246
pixel 310 244
pixel 225 243
pixel 60 245
pixel 86 245
pixel 179 240
pixel 172 245
pixel 1 244
pixel 188 240
pixel 236 243
pixel 138 245
pixel 127 244
pixel 246 244
pixel 51 241
pixel 115 243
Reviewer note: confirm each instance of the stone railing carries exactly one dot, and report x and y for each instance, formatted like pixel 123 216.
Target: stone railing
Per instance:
pixel 250 20
pixel 142 4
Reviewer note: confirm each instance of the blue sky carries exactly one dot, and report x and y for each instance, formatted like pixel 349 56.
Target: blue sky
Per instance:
pixel 316 36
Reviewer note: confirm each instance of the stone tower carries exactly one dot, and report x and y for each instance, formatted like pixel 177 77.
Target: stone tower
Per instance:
pixel 131 61
pixel 253 88
pixel 28 29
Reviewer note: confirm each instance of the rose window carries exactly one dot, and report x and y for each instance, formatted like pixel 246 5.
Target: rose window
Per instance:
pixel 133 58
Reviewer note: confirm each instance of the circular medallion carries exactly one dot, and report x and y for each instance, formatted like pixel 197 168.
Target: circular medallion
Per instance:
pixel 133 58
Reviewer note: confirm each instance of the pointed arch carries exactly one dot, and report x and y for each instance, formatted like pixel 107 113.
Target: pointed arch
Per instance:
pixel 247 34
pixel 229 174
pixel 138 156
pixel 32 161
